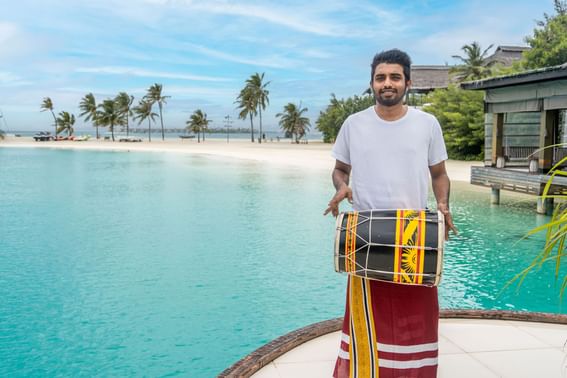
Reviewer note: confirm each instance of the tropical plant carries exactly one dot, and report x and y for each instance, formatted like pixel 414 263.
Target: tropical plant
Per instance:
pixel 198 123
pixel 474 66
pixel 549 40
pixel 2 134
pixel 293 122
pixel 124 102
pixel 461 115
pixel 332 118
pixel 89 110
pixel 47 104
pixel 154 95
pixel 109 115
pixel 247 107
pixel 65 122
pixel 259 95
pixel 144 111
pixel 555 229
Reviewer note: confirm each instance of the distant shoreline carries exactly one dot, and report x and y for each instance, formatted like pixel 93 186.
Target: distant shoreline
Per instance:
pixel 314 155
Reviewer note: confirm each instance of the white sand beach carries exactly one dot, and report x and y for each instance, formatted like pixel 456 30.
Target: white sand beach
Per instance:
pixel 315 155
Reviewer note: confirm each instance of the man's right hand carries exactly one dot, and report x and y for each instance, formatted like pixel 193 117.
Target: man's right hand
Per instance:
pixel 342 193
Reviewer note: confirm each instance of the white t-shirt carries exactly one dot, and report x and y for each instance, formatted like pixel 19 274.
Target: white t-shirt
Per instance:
pixel 390 160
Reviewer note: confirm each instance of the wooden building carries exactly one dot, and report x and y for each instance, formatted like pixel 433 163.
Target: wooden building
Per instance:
pixel 525 114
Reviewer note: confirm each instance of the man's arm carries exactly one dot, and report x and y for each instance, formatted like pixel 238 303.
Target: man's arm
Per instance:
pixel 341 175
pixel 441 188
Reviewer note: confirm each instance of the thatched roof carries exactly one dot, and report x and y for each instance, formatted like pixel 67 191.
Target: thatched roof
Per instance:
pixel 506 55
pixel 427 78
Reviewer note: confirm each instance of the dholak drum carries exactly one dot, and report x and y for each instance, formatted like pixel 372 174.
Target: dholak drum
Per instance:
pixel 403 246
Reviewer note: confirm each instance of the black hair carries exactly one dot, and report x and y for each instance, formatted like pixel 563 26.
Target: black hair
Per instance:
pixel 393 56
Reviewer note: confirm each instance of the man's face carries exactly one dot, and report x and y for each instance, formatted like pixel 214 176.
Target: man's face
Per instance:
pixel 389 84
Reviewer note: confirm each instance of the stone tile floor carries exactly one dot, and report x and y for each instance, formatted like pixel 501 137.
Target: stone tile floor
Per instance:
pixel 467 348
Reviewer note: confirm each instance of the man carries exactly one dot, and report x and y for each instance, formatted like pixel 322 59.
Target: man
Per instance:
pixel 390 330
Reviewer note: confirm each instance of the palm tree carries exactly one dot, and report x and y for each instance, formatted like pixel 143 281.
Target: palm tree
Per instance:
pixel 66 121
pixel 194 126
pixel 198 123
pixel 473 65
pixel 89 110
pixel 124 102
pixel 1 134
pixel 47 104
pixel 144 111
pixel 154 96
pixel 110 115
pixel 259 95
pixel 292 121
pixel 247 107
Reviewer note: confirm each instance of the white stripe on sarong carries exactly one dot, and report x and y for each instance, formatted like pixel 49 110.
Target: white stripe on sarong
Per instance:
pixel 415 364
pixel 391 348
pixel 344 355
pixel 345 338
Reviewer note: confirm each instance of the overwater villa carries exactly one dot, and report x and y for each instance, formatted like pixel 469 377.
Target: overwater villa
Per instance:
pixel 525 120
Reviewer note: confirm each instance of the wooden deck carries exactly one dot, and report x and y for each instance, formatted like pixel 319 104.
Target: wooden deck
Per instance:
pixel 516 180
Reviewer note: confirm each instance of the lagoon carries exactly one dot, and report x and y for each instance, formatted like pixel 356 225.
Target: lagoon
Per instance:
pixel 123 263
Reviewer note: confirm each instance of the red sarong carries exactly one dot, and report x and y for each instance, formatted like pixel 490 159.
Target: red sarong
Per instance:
pixel 389 331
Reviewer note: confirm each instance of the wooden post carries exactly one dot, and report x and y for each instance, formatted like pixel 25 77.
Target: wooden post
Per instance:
pixel 545 206
pixel 546 125
pixel 497 131
pixel 495 196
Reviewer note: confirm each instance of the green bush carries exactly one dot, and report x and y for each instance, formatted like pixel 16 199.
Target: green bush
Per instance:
pixel 332 118
pixel 461 115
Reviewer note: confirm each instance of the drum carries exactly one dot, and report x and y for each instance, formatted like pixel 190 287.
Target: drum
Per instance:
pixel 402 246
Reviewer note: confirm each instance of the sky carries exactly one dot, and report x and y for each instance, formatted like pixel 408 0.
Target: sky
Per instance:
pixel 203 51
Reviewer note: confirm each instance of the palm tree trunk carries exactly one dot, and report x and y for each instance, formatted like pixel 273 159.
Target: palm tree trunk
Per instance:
pixel 127 125
pixel 96 127
pixel 161 120
pixel 251 128
pixel 112 130
pixel 54 120
pixel 149 129
pixel 199 137
pixel 260 112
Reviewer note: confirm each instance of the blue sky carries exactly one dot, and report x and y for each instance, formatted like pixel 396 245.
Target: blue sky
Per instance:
pixel 203 51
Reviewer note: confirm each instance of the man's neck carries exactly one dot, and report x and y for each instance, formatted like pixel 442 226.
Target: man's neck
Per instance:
pixel 391 113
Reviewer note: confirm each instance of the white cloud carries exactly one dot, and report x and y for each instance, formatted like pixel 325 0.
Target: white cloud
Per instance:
pixel 8 30
pixel 320 18
pixel 208 92
pixel 290 17
pixel 8 79
pixel 133 71
pixel 272 61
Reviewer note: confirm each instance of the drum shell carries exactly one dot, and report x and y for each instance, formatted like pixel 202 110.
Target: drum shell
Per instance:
pixel 401 246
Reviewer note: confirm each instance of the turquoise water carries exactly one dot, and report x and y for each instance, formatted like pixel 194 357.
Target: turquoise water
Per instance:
pixel 117 263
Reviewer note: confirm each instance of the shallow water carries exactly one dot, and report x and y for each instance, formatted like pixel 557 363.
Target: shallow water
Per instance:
pixel 116 263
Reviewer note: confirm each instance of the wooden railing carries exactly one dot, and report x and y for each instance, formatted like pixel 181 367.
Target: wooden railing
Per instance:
pixel 519 152
pixel 515 180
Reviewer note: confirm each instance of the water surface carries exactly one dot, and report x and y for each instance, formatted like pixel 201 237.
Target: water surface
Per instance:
pixel 117 263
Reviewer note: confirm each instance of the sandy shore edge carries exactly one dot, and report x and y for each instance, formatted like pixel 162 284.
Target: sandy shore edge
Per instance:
pixel 315 155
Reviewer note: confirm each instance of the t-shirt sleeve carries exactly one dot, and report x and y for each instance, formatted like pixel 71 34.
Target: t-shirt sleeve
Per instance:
pixel 341 149
pixel 437 150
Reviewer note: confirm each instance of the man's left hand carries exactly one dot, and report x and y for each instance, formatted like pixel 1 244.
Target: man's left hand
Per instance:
pixel 444 209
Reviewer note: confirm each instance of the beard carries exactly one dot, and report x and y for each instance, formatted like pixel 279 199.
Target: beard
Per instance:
pixel 390 101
